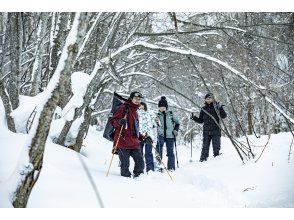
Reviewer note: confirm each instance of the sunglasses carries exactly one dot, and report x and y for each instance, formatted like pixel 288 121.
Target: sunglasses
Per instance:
pixel 138 94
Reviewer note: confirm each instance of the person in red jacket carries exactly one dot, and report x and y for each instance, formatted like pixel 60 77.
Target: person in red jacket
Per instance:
pixel 128 142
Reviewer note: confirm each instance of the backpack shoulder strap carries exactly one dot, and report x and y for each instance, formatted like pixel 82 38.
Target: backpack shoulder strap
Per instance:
pixel 172 117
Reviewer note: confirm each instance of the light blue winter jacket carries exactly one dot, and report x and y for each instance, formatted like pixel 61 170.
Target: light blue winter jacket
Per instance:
pixel 170 125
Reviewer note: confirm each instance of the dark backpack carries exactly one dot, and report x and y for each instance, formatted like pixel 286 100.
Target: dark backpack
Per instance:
pixel 117 101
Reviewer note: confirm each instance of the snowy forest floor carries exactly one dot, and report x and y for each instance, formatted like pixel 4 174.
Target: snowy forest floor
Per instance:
pixel 220 182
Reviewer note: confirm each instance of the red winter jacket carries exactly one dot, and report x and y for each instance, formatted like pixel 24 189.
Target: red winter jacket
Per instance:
pixel 129 137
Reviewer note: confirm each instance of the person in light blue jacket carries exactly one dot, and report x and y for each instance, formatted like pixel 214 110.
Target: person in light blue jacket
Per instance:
pixel 146 124
pixel 167 130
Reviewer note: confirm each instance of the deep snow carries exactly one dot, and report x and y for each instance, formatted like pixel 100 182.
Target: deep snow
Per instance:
pixel 219 182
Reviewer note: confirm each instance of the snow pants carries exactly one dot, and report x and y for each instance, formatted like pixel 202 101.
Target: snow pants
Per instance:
pixel 207 138
pixel 148 155
pixel 124 156
pixel 169 149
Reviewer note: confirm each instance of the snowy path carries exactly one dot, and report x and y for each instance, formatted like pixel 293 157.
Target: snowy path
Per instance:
pixel 219 182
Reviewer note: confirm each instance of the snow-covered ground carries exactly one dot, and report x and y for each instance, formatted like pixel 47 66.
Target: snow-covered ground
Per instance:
pixel 220 182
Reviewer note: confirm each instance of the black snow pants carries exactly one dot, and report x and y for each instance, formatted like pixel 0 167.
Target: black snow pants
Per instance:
pixel 124 156
pixel 207 138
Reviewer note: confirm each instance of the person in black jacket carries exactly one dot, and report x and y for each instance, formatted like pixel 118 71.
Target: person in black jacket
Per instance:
pixel 211 130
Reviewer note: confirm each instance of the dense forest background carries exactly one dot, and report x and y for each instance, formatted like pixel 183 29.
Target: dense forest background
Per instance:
pixel 244 59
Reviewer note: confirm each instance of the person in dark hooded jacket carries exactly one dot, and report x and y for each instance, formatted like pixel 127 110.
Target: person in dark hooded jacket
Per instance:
pixel 128 142
pixel 211 130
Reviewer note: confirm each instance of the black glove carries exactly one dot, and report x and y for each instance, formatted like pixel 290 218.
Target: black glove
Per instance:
pixel 218 105
pixel 114 151
pixel 122 121
pixel 148 139
pixel 192 116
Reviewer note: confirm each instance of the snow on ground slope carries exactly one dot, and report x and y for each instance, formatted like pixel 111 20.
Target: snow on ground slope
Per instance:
pixel 220 182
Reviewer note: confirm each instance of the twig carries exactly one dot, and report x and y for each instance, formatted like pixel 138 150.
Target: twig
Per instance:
pixel 269 136
pixel 290 149
pixel 98 197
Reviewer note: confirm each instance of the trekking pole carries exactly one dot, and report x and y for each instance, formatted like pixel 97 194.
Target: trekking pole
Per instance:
pixel 115 147
pixel 176 151
pixel 160 160
pixel 191 147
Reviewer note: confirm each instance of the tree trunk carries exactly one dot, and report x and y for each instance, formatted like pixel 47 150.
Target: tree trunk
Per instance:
pixel 7 107
pixel 15 29
pixel 92 87
pixel 249 116
pixel 65 130
pixel 84 127
pixel 36 75
pixel 36 152
pixel 64 98
pixel 57 42
pixel 3 92
pixel 44 121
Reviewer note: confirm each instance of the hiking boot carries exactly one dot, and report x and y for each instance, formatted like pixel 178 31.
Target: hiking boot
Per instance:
pixel 217 154
pixel 137 175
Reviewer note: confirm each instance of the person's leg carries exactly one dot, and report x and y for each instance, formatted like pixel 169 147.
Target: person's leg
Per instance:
pixel 205 147
pixel 216 141
pixel 139 162
pixel 124 156
pixel 159 146
pixel 142 143
pixel 170 154
pixel 149 157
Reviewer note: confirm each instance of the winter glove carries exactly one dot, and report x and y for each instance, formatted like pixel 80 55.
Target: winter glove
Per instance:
pixel 114 151
pixel 141 137
pixel 122 121
pixel 149 140
pixel 192 116
pixel 218 105
pixel 175 133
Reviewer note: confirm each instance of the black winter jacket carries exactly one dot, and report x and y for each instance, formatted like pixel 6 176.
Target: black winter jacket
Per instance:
pixel 209 126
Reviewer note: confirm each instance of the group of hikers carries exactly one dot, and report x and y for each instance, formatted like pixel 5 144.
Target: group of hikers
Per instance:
pixel 134 132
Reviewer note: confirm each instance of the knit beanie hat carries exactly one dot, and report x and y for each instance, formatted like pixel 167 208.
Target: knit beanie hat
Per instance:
pixel 162 102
